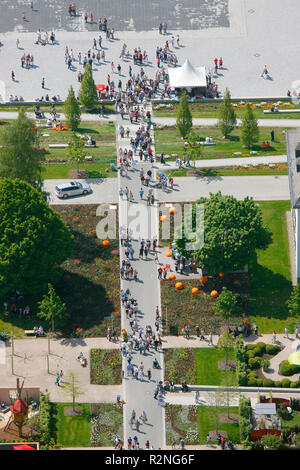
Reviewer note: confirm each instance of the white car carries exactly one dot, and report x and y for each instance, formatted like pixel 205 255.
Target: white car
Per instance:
pixel 74 188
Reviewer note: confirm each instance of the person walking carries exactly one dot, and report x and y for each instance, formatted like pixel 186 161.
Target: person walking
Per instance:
pixel 274 337
pixel 286 331
pixel 57 380
pixel 297 332
pixel 43 82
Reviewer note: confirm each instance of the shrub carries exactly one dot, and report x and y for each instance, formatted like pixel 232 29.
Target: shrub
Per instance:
pixel 254 363
pixel 295 402
pixel 250 354
pixel 283 412
pixel 286 368
pixel 244 428
pixel 271 441
pixel 260 348
pixel 244 407
pixel 240 350
pixel 268 383
pixel 241 373
pixel 272 349
pixel 265 364
pixel 249 347
pixel 277 383
pixel 285 383
pixel 259 382
pixel 252 379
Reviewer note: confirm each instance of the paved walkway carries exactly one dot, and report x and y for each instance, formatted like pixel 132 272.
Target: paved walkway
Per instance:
pixel 143 221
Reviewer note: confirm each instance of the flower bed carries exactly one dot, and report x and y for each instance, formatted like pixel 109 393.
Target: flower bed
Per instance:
pixel 90 290
pixel 106 424
pixel 106 367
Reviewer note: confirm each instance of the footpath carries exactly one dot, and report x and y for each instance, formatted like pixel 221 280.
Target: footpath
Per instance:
pixel 142 220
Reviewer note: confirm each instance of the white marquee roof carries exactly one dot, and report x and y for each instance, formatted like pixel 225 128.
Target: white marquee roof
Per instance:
pixel 187 76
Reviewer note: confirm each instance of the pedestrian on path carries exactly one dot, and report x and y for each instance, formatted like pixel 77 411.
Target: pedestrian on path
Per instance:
pixel 274 337
pixel 286 331
pixel 57 380
pixel 210 339
pixel 149 373
pixel 61 374
pixel 43 82
pixel 297 332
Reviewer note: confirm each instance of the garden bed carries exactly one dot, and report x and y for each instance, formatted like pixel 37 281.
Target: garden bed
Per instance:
pixel 186 308
pixel 90 282
pixel 106 424
pixel 106 367
pixel 182 422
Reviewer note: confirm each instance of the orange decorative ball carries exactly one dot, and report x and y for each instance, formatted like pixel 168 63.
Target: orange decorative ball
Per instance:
pixel 195 290
pixel 203 279
pixel 214 293
pixel 179 285
pixel 105 243
pixel 169 254
pixel 172 210
pixel 221 274
pixel 163 218
pixel 172 276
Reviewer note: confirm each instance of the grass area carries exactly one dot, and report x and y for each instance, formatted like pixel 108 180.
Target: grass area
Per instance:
pixel 106 367
pixel 270 274
pixel 73 431
pixel 206 423
pixel 210 110
pixel 168 141
pixel 106 424
pixel 229 171
pixel 46 108
pixel 103 154
pixel 291 422
pixel 186 308
pixel 206 365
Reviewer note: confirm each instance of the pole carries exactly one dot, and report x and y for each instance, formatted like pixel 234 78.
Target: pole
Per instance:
pixel 166 319
pixel 12 344
pixel 48 364
pixel 48 344
pixel 12 365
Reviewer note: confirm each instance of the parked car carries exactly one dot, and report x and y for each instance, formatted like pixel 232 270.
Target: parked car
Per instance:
pixel 74 188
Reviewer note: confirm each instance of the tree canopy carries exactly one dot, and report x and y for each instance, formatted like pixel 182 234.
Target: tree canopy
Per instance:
pixel 88 96
pixel 249 127
pixel 184 122
pixel 34 240
pixel 233 230
pixel 19 156
pixel 72 110
pixel 293 303
pixel 227 117
pixel 76 150
pixel 51 308
pixel 193 147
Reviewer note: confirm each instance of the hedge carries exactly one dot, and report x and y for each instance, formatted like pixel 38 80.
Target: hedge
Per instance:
pixel 286 368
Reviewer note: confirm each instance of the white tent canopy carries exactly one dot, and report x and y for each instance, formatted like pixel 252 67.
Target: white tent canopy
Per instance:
pixel 187 76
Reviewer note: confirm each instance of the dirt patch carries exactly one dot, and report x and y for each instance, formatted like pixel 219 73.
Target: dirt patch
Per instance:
pixel 68 411
pixel 230 365
pixel 77 174
pixel 230 419
pixel 214 435
pixel 194 173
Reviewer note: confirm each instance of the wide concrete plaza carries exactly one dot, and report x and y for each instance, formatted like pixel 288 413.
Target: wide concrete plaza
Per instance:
pixel 247 34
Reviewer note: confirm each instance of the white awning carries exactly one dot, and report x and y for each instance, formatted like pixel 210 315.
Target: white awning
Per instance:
pixel 187 76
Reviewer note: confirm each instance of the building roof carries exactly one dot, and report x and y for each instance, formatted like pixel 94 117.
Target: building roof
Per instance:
pixel 293 144
pixel 187 76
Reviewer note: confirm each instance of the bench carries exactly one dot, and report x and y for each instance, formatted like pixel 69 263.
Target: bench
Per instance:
pixel 31 333
pixel 58 146
pixel 281 111
pixel 207 143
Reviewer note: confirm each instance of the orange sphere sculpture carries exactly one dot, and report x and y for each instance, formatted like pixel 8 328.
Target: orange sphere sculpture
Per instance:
pixel 172 210
pixel 163 218
pixel 221 274
pixel 195 290
pixel 214 293
pixel 105 243
pixel 169 254
pixel 172 276
pixel 203 279
pixel 179 285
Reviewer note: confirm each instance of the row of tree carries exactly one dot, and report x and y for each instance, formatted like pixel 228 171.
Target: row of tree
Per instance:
pixel 249 131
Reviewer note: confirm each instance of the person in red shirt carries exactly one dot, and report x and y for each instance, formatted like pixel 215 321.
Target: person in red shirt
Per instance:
pixel 92 18
pixel 220 62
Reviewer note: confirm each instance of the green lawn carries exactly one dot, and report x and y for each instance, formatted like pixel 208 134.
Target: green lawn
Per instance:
pixel 210 110
pixel 206 365
pixel 227 171
pixel 270 275
pixel 73 431
pixel 95 170
pixel 168 141
pixel 206 423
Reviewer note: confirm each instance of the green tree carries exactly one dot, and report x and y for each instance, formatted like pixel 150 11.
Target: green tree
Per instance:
pixel 76 150
pixel 249 128
pixel 51 308
pixel 72 110
pixel 193 147
pixel 34 240
pixel 19 156
pixel 227 117
pixel 293 303
pixel 71 387
pixel 271 441
pixel 233 231
pixel 226 342
pixel 226 305
pixel 184 122
pixel 88 96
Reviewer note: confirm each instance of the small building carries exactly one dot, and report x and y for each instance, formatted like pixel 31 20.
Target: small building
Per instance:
pixel 188 77
pixel 293 157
